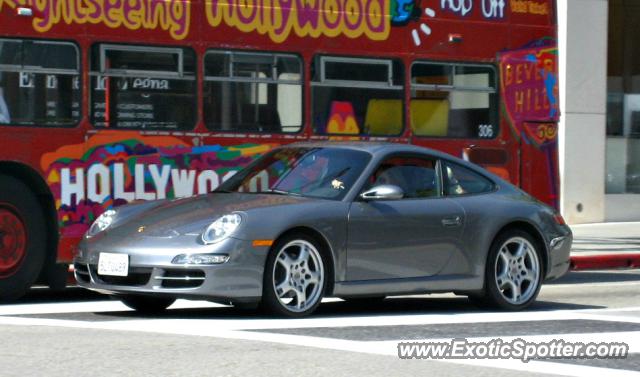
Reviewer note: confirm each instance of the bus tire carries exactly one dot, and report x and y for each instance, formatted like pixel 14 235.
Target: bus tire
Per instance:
pixel 56 275
pixel 23 238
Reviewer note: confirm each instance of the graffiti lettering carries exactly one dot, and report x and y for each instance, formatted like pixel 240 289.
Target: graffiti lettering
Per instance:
pixel 111 169
pixel 401 11
pixel 313 18
pixel 71 188
pixel 531 7
pixel 101 83
pixel 52 82
pixel 462 7
pixel 148 83
pixel 276 18
pixel 547 132
pixel 528 100
pixel 27 80
pixel 169 15
pixel 522 72
pixel 102 183
pixel 493 8
pixel 98 180
pixel 530 84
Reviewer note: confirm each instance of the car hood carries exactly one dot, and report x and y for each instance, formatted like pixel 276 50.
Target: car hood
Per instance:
pixel 190 216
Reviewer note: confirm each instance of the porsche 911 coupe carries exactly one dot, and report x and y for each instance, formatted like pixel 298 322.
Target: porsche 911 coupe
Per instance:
pixel 348 220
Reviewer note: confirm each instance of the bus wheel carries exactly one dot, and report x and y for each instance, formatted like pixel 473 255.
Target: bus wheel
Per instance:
pixel 22 238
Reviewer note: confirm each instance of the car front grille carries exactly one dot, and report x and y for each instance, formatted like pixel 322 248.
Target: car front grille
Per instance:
pixel 138 276
pixel 82 273
pixel 182 278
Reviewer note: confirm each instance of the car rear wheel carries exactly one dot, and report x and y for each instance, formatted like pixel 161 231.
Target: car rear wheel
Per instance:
pixel 146 304
pixel 513 274
pixel 294 281
pixel 23 236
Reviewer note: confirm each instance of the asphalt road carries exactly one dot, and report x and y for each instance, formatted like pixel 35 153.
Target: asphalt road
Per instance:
pixel 78 333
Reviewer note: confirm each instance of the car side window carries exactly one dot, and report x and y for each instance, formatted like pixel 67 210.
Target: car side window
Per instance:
pixel 417 177
pixel 462 181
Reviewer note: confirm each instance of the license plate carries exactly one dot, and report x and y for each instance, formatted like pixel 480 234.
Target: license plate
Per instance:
pixel 113 264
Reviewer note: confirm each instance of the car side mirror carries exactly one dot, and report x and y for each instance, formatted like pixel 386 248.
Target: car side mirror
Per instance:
pixel 383 192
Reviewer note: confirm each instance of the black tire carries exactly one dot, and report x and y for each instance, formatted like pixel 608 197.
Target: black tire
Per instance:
pixel 270 301
pixel 19 208
pixel 494 297
pixel 146 304
pixel 56 276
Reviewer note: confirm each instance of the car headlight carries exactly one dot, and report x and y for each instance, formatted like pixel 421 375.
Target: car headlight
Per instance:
pixel 102 222
pixel 221 228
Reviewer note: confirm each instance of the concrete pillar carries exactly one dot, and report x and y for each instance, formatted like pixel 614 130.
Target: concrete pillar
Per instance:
pixel 582 42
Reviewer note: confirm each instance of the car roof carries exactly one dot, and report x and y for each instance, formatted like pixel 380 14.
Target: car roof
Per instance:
pixel 376 148
pixel 372 147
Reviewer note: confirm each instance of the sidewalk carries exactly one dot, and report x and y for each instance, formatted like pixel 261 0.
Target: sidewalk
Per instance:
pixel 605 245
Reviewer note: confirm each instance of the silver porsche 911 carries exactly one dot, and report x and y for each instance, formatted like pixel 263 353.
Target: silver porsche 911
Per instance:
pixel 349 220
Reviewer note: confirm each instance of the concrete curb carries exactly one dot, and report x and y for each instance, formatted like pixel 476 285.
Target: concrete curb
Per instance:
pixel 604 261
pixel 601 246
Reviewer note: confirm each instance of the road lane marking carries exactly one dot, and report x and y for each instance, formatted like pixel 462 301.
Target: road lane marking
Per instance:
pixel 91 307
pixel 387 348
pixel 240 328
pixel 367 320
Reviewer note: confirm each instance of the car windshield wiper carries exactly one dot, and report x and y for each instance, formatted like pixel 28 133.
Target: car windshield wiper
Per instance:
pixel 223 191
pixel 278 192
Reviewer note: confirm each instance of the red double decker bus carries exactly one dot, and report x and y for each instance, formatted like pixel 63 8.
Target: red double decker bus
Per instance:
pixel 103 102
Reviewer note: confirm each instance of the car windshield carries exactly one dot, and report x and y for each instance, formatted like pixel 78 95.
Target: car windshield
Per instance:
pixel 326 173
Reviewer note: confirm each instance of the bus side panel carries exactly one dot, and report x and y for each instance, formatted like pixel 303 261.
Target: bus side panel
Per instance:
pixel 539 162
pixel 530 103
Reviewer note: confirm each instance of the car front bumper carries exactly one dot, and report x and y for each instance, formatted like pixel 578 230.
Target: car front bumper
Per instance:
pixel 239 280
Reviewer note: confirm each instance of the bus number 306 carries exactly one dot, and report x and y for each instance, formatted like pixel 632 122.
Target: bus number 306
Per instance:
pixel 485 130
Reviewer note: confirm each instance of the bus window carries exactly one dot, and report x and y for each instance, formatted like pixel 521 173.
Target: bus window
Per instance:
pixel 357 96
pixel 39 83
pixel 252 92
pixel 142 87
pixel 453 100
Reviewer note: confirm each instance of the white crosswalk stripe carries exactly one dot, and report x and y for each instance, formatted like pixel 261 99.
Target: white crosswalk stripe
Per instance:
pixel 91 315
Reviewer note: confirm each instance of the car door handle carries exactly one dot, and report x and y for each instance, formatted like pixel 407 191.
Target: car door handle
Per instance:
pixel 452 221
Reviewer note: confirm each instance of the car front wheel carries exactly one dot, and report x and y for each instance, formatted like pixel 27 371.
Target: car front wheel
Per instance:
pixel 294 280
pixel 513 273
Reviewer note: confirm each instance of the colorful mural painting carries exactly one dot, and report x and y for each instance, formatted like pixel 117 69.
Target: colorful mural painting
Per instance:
pixel 529 83
pixel 305 18
pixel 529 86
pixel 342 119
pixel 116 168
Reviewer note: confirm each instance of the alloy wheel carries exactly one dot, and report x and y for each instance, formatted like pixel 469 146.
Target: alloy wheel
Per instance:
pixel 298 275
pixel 517 270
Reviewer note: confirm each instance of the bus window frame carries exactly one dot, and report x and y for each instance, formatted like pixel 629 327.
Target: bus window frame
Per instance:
pixel 238 79
pixel 492 89
pixel 136 73
pixel 179 51
pixel 379 85
pixel 39 70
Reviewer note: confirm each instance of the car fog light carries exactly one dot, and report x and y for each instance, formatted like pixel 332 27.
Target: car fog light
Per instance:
pixel 200 259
